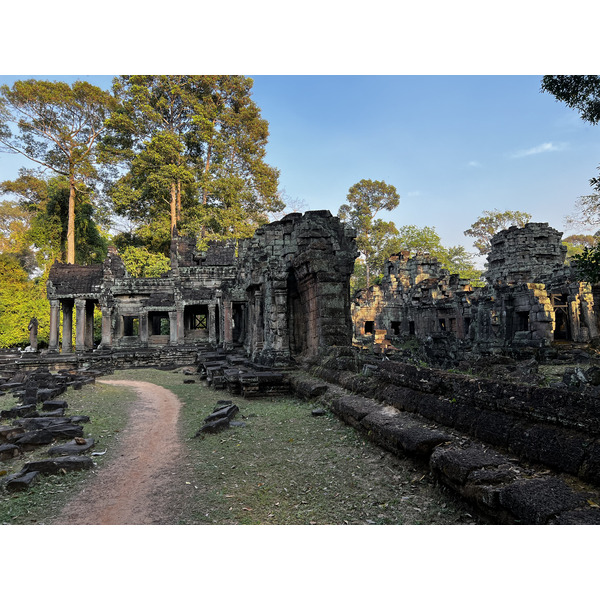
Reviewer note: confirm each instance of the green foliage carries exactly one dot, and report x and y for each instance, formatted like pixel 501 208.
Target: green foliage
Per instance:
pixel 194 149
pixel 46 204
pixel 490 223
pixel 365 199
pixel 587 265
pixel 581 92
pixel 59 127
pixel 142 263
pixel 20 300
pixel 422 240
pixel 576 244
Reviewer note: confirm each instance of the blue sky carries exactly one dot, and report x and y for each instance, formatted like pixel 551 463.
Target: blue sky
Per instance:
pixel 453 146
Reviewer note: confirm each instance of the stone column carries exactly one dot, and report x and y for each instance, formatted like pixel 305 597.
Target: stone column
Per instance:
pixel 180 327
pixel 89 325
pixel 257 322
pixel 144 328
pixel 281 342
pixel 54 321
pixel 106 327
pixel 212 329
pixel 173 328
pixel 227 323
pixel 80 323
pixel 67 336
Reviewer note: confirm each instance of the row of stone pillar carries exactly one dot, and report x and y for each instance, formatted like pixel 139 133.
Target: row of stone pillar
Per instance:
pixel 84 334
pixel 84 325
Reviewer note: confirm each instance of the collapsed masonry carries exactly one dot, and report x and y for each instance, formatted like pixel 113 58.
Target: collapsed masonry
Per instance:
pixel 531 300
pixel 279 296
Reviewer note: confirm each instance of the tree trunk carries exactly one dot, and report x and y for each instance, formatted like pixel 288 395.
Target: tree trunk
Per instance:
pixel 178 200
pixel 71 224
pixel 367 270
pixel 173 209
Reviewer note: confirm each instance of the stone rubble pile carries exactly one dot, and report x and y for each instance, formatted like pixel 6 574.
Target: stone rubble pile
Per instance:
pixel 28 427
pixel 220 418
pixel 239 376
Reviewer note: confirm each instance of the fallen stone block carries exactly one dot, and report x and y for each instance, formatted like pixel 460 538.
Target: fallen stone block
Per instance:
pixel 59 412
pixel 37 437
pixel 9 433
pixel 33 423
pixel 80 419
pixel 213 426
pixel 8 451
pixel 65 431
pixel 535 501
pixel 27 410
pixel 55 465
pixel 72 448
pixel 21 481
pixel 45 395
pixel 54 404
pixel 226 412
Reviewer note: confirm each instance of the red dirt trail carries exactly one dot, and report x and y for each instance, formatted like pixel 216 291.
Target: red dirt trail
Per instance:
pixel 127 490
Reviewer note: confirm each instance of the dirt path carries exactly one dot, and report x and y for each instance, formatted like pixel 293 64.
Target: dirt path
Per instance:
pixel 130 490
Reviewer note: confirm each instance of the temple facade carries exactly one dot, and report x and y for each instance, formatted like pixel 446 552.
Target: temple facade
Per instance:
pixel 531 299
pixel 282 294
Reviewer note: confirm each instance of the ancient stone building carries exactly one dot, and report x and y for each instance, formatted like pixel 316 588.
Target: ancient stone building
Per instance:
pixel 531 299
pixel 282 294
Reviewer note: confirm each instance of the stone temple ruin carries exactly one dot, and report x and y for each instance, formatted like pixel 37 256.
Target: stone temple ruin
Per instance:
pixel 516 452
pixel 531 300
pixel 281 295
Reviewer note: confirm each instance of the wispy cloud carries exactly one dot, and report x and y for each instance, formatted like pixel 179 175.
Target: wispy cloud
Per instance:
pixel 547 147
pixel 414 194
pixel 473 163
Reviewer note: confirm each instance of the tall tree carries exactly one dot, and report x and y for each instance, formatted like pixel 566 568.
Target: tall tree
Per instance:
pixel 365 200
pixel 46 204
pixel 59 127
pixel 490 223
pixel 194 144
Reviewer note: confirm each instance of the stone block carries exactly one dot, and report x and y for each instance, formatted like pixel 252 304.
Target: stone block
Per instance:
pixel 8 451
pixel 455 463
pixel 536 501
pixel 72 448
pixel 353 408
pixel 21 481
pixel 56 465
pixel 549 445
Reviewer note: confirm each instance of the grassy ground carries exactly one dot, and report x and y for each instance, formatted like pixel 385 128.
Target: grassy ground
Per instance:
pixel 107 408
pixel 283 466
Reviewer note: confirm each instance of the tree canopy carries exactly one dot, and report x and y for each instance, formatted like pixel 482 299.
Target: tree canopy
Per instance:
pixel 490 223
pixel 365 200
pixel 417 240
pixel 57 126
pixel 581 92
pixel 193 148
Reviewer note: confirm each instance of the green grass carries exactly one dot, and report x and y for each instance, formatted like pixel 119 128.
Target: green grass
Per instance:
pixel 107 408
pixel 284 466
